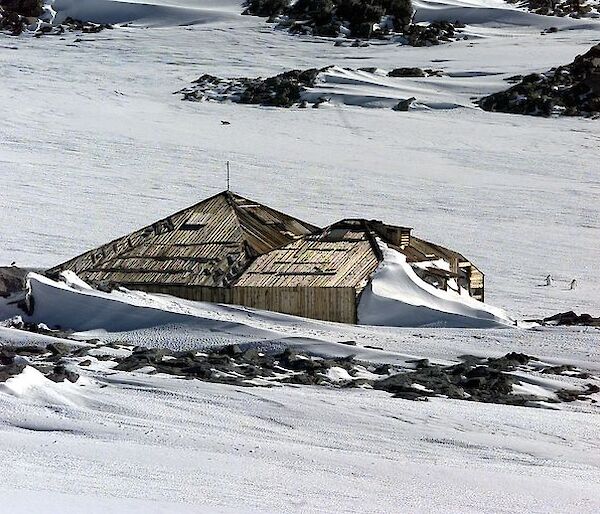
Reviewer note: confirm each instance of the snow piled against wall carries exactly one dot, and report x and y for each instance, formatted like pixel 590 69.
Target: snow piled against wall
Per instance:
pixel 397 297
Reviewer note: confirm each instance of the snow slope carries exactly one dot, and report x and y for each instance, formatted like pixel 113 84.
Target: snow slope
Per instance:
pixel 150 13
pixel 165 321
pixel 94 145
pixel 198 447
pixel 479 182
pixel 131 442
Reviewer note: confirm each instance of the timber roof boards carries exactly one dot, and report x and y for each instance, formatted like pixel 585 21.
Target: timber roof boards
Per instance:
pixel 208 244
pixel 344 254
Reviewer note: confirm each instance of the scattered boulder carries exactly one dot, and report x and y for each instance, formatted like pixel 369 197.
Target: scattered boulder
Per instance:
pixel 60 374
pixel 433 34
pixel 570 90
pixel 12 280
pixel 10 371
pixel 561 8
pixel 404 105
pixel 407 72
pixel 283 90
pixel 568 318
pixel 415 72
pixel 58 349
pixel 26 8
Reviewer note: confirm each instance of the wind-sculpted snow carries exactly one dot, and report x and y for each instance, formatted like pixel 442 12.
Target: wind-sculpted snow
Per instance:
pixel 396 296
pixel 149 13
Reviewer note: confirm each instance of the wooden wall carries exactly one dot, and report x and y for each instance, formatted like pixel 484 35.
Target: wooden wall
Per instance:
pixel 325 303
pixel 196 293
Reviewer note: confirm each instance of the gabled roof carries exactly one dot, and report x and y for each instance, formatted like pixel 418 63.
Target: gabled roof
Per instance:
pixel 344 254
pixel 208 244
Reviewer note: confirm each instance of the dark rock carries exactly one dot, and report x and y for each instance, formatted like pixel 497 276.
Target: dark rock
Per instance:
pixel 434 33
pixel 570 90
pixel 58 349
pixel 10 370
pixel 570 395
pixel 283 90
pixel 404 105
pixel 12 279
pixel 27 8
pixel 60 374
pixel 232 350
pixel 85 363
pixel 570 318
pixel 81 352
pixel 407 72
pixel 510 361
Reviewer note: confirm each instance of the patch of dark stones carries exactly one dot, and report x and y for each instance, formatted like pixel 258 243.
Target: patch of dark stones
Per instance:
pixel 16 16
pixel 330 18
pixel 561 8
pixel 355 21
pixel 569 90
pixel 474 379
pixel 282 90
pixel 47 360
pixel 73 25
pixel 569 318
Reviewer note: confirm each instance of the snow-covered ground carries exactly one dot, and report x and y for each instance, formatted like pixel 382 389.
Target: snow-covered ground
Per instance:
pixel 94 145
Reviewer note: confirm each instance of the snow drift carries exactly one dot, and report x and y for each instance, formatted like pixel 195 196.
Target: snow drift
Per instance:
pixel 397 297
pixel 151 13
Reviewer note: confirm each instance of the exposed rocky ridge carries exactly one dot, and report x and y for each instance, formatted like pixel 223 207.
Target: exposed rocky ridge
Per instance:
pixel 287 89
pixel 14 359
pixel 572 8
pixel 37 17
pixel 356 18
pixel 27 8
pixel 569 319
pixel 12 280
pixel 477 379
pixel 379 19
pixel 281 90
pixel 569 90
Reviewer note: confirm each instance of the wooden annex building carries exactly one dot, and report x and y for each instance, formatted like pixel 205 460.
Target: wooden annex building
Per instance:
pixel 228 249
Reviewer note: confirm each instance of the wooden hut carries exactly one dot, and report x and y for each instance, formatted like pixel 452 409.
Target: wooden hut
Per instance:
pixel 196 253
pixel 228 249
pixel 323 274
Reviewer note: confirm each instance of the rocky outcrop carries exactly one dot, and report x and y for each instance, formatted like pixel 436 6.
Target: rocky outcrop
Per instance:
pixel 283 90
pixel 27 8
pixel 12 280
pixel 415 72
pixel 331 18
pixel 570 90
pixel 561 8
pixel 569 319
pixel 432 34
pixel 491 380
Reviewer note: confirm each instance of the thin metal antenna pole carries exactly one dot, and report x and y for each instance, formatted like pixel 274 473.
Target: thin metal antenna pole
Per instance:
pixel 227 175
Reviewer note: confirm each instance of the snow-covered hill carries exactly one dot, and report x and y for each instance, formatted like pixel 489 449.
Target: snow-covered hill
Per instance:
pixel 95 144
